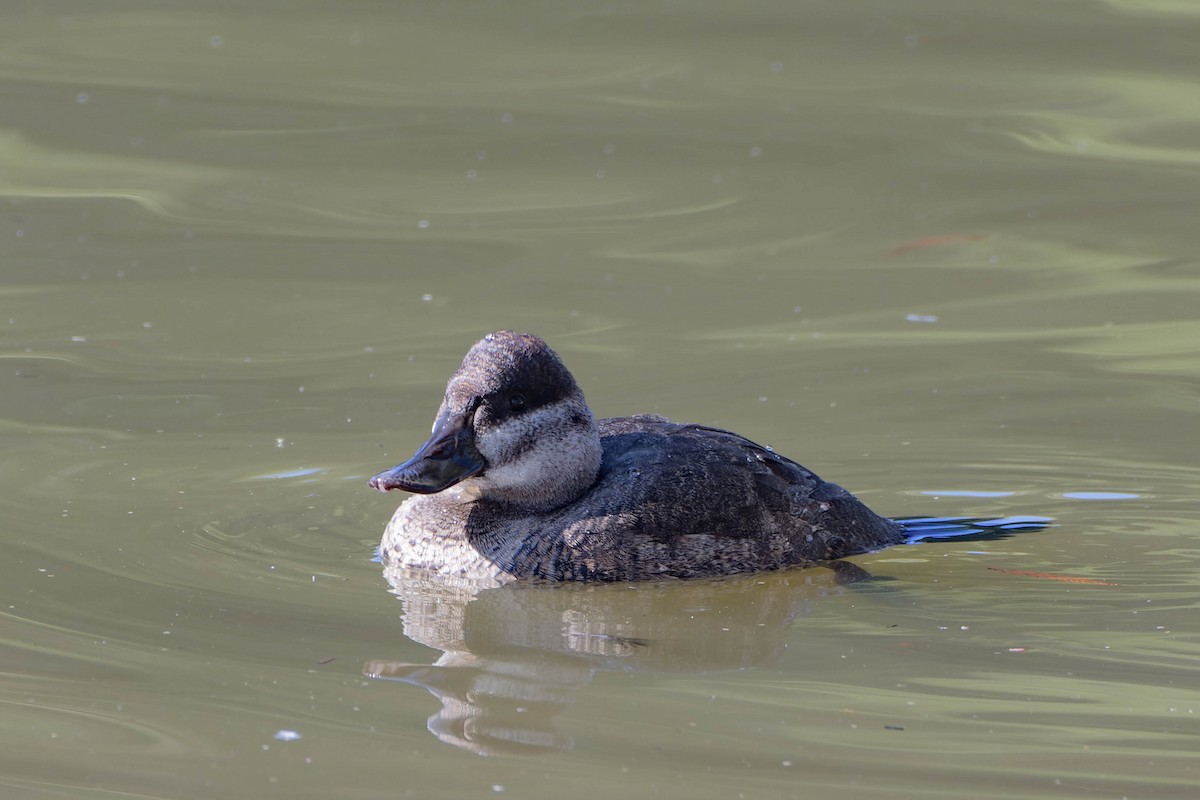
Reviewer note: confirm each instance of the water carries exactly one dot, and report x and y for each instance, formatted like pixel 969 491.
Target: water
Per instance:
pixel 942 255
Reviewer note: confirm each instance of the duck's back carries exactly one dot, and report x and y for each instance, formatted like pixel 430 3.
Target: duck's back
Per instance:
pixel 681 501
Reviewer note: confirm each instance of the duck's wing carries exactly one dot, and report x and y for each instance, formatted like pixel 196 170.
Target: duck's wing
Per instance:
pixel 706 478
pixel 700 480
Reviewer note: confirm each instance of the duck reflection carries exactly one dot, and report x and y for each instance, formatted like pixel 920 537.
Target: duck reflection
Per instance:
pixel 513 655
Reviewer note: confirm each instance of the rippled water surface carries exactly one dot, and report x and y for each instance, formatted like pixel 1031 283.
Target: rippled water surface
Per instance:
pixel 944 254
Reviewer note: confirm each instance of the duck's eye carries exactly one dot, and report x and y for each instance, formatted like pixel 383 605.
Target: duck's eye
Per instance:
pixel 516 402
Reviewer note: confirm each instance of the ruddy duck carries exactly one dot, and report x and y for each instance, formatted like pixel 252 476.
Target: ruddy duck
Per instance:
pixel 519 480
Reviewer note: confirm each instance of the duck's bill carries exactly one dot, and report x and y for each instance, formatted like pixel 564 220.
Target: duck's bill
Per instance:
pixel 447 458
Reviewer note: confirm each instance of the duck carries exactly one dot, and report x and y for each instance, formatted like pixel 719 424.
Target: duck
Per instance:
pixel 520 481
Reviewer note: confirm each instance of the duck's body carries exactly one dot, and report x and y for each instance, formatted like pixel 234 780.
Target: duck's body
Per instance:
pixel 519 481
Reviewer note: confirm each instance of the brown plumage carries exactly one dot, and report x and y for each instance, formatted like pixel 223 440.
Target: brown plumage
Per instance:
pixel 519 481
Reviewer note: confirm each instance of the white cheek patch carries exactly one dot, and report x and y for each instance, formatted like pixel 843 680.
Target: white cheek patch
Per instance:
pixel 529 471
pixel 530 449
pixel 518 437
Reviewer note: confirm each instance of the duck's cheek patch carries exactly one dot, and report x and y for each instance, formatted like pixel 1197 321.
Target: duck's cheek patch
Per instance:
pixel 515 438
pixel 524 472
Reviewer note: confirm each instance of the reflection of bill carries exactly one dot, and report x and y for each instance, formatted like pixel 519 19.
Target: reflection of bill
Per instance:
pixel 512 656
pixel 494 706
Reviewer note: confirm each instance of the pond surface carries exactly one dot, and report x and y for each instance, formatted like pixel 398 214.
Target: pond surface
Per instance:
pixel 942 254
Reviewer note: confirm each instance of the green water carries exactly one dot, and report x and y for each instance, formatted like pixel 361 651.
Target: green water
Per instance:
pixel 941 253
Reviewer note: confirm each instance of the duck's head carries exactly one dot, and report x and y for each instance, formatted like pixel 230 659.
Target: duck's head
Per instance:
pixel 513 428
